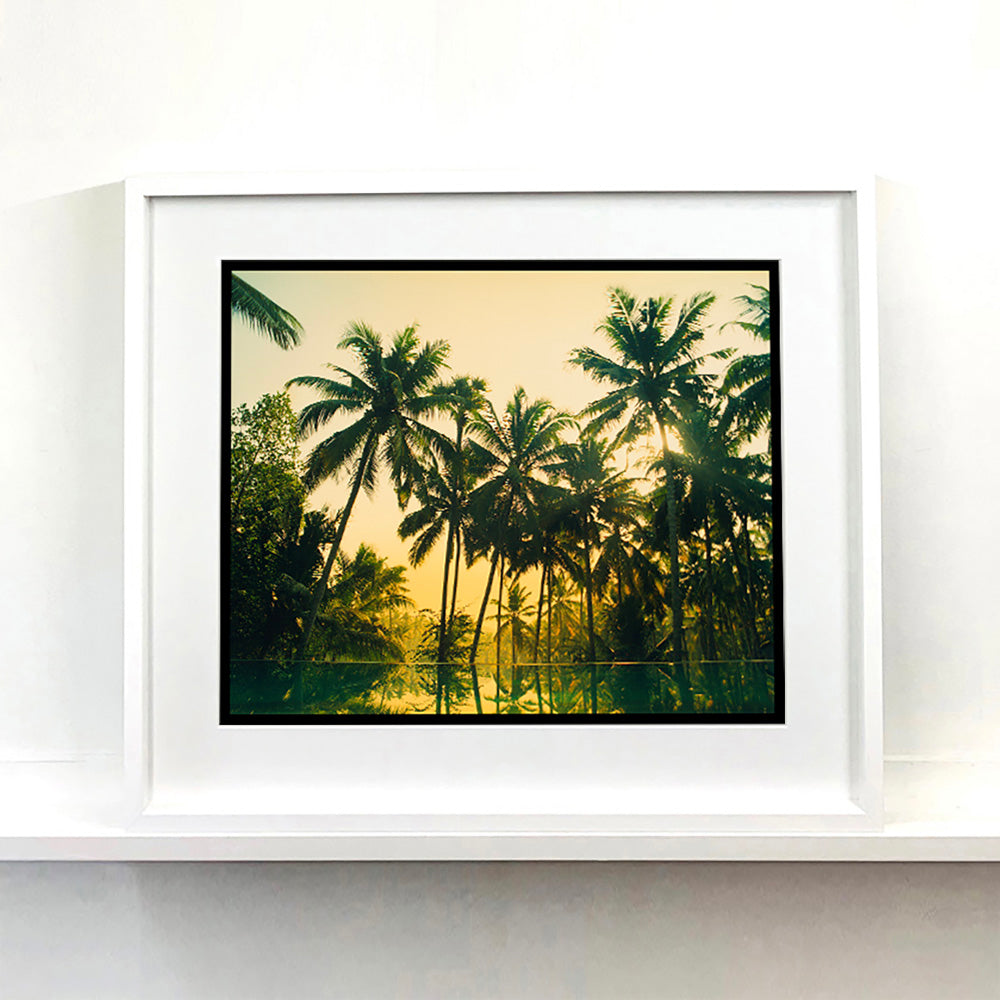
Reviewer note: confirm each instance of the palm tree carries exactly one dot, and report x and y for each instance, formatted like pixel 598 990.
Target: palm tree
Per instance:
pixel 263 315
pixel 437 500
pixel 653 372
pixel 365 590
pixel 546 546
pixel 748 379
pixel 455 650
pixel 443 505
pixel 559 611
pixel 461 398
pixel 595 498
pixel 442 491
pixel 356 624
pixel 630 562
pixel 722 486
pixel 520 442
pixel 300 555
pixel 388 400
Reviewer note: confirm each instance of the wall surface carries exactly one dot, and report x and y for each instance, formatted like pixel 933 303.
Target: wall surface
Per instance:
pixel 92 91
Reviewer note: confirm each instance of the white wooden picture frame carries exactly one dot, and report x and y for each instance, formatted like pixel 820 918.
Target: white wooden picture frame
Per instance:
pixel 700 791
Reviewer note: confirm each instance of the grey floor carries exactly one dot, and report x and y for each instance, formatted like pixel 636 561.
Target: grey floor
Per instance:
pixel 499 930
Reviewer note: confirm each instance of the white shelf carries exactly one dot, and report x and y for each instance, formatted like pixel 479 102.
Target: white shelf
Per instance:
pixel 70 810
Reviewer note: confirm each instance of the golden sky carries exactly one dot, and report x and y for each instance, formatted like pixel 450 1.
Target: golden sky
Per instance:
pixel 510 327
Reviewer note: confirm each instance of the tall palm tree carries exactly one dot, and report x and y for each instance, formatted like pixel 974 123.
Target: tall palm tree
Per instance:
pixel 436 498
pixel 460 398
pixel 264 315
pixel 442 491
pixel 442 508
pixel 520 442
pixel 653 371
pixel 596 498
pixel 748 379
pixel 387 400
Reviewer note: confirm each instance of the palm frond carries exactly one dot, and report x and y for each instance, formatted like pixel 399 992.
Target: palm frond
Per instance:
pixel 602 368
pixel 329 456
pixel 318 414
pixel 263 315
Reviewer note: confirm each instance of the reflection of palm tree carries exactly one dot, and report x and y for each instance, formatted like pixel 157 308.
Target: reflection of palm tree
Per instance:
pixel 388 399
pixel 653 373
pixel 520 442
pixel 263 315
pixel 596 497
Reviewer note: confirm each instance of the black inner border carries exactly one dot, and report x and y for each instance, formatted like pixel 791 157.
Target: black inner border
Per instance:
pixel 228 718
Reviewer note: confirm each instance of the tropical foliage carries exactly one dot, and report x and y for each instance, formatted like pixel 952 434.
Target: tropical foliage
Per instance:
pixel 625 550
pixel 263 315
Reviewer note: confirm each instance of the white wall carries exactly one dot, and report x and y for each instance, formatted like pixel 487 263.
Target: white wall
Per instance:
pixel 94 90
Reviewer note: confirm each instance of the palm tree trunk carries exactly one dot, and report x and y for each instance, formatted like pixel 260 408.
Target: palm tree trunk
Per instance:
pixel 749 641
pixel 590 621
pixel 538 619
pixel 499 610
pixel 710 605
pixel 443 625
pixel 479 631
pixel 515 680
pixel 515 667
pixel 453 527
pixel 458 565
pixel 548 643
pixel 538 636
pixel 750 587
pixel 676 612
pixel 324 579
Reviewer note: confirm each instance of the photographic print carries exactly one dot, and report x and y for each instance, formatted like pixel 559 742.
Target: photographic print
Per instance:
pixel 488 492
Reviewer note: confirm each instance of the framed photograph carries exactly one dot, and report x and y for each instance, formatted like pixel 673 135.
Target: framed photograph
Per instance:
pixel 553 497
pixel 500 517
